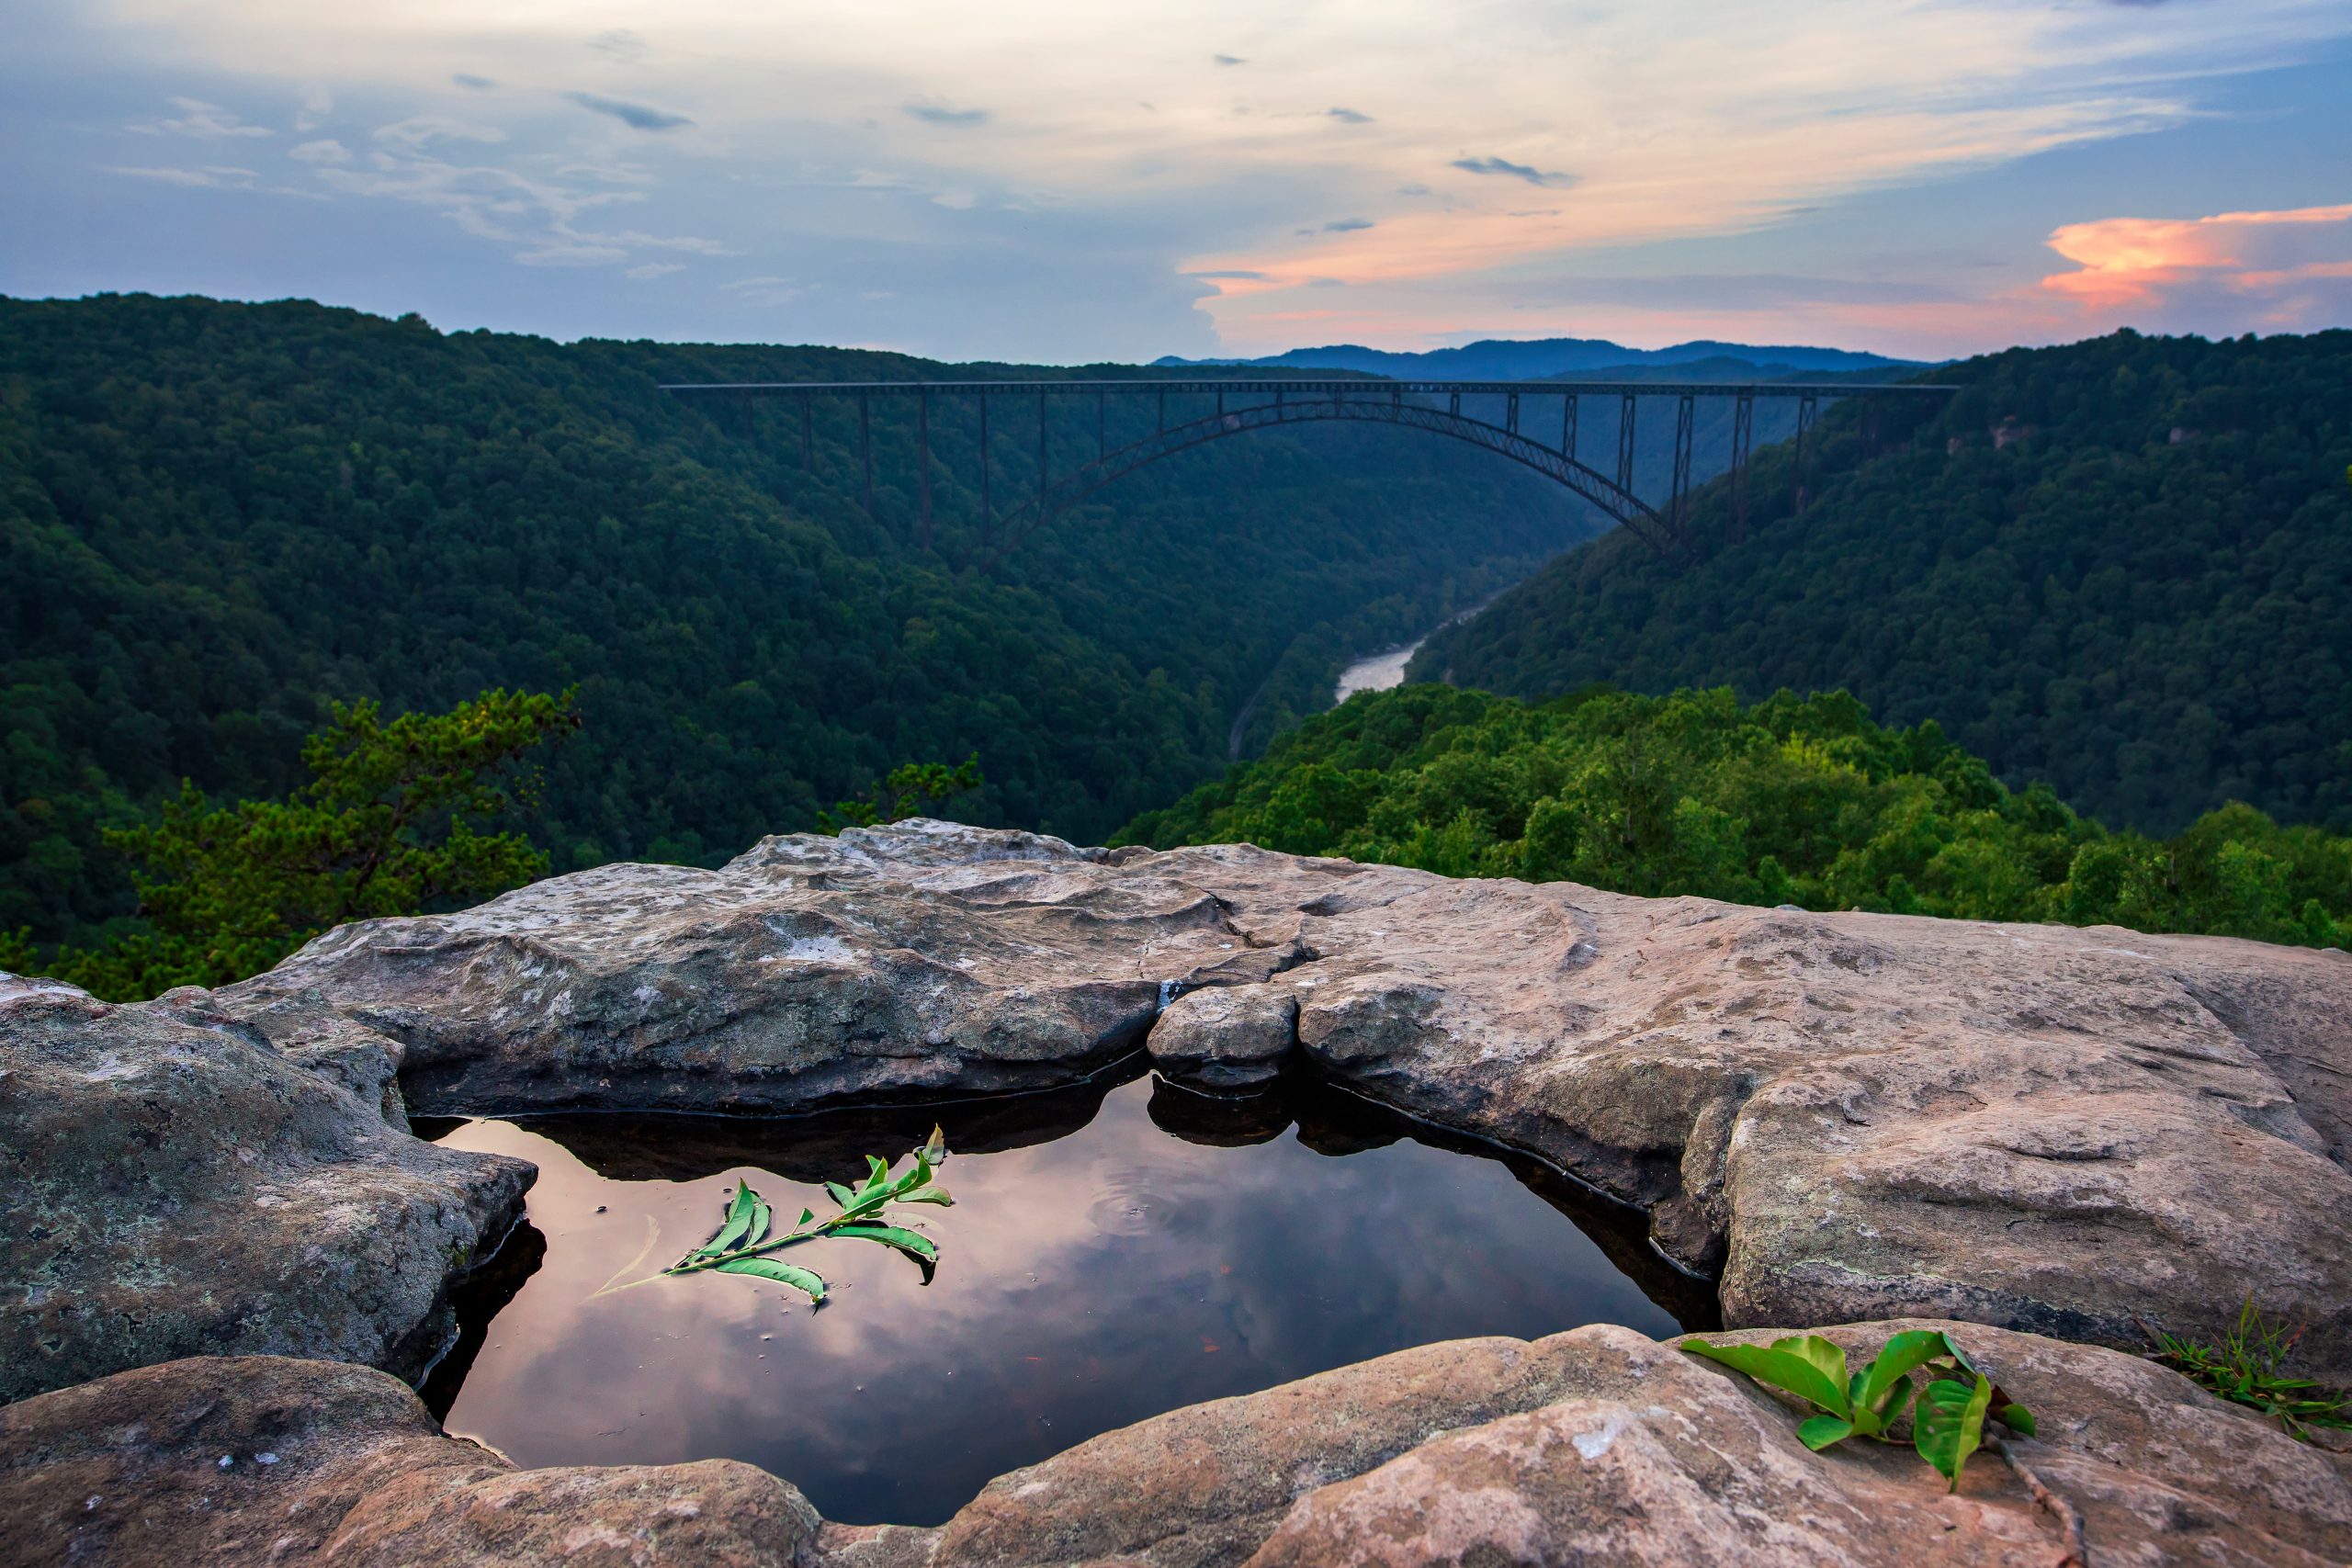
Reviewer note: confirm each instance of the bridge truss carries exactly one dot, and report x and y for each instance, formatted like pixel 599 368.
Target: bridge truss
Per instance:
pixel 1241 405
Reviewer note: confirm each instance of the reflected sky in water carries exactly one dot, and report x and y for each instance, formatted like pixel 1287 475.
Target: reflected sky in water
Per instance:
pixel 1098 1269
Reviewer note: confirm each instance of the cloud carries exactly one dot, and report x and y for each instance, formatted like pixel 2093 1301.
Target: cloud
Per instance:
pixel 317 104
pixel 211 177
pixel 200 121
pixel 217 176
pixel 654 269
pixel 766 290
pixel 621 44
pixel 636 115
pixel 426 130
pixel 329 151
pixel 1230 274
pixel 571 253
pixel 1228 60
pixel 1347 225
pixel 935 112
pixel 1349 117
pixel 538 219
pixel 1532 175
pixel 472 83
pixel 2140 263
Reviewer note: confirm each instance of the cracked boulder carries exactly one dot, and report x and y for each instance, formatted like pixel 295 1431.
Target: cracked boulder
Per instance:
pixel 1839 1116
pixel 172 1184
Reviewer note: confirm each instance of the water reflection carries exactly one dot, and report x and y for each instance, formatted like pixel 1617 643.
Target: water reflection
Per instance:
pixel 1115 1251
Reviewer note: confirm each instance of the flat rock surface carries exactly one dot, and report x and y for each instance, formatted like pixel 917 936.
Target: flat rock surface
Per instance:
pixel 172 1184
pixel 1843 1116
pixel 260 1459
pixel 1596 1447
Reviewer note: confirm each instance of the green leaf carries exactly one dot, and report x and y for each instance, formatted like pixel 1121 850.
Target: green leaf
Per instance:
pixel 1879 1387
pixel 761 1214
pixel 1873 1423
pixel 2016 1417
pixel 784 1273
pixel 877 1173
pixel 934 1152
pixel 840 1194
pixel 922 1247
pixel 1948 1425
pixel 1812 1347
pixel 740 1214
pixel 930 1195
pixel 1822 1430
pixel 1781 1369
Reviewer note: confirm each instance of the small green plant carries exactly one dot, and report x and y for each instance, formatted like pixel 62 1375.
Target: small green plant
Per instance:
pixel 1947 1414
pixel 742 1245
pixel 2244 1369
pixel 910 789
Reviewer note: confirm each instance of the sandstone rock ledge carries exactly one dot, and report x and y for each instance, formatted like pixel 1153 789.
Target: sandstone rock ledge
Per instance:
pixel 1597 1446
pixel 172 1184
pixel 1845 1116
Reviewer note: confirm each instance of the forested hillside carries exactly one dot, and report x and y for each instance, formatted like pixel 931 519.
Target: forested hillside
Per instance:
pixel 215 519
pixel 2123 567
pixel 1792 800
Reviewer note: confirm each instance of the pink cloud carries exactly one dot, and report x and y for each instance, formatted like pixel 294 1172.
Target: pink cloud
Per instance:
pixel 2146 262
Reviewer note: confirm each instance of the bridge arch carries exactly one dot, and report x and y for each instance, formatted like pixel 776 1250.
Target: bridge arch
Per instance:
pixel 1015 524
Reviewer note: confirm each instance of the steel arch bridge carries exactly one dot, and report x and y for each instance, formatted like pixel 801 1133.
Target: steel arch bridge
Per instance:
pixel 1242 405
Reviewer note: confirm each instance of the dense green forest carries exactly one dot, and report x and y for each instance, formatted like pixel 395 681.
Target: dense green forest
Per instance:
pixel 2123 567
pixel 216 519
pixel 1792 800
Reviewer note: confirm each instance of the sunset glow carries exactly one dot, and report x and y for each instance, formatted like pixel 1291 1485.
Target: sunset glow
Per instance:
pixel 1057 181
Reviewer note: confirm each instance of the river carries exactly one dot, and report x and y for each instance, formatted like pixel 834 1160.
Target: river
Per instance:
pixel 1378 672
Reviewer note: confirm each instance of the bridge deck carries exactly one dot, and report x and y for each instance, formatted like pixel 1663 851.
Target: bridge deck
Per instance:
pixel 1324 386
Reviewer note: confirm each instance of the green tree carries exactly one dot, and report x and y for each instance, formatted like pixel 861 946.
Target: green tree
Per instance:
pixel 910 789
pixel 392 823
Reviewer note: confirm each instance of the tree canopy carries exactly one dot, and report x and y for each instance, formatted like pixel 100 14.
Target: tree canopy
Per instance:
pixel 1796 800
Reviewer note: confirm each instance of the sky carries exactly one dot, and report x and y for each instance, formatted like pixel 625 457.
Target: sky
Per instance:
pixel 1039 181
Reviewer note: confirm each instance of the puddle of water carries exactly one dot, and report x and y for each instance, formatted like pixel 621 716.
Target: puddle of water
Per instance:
pixel 1114 1253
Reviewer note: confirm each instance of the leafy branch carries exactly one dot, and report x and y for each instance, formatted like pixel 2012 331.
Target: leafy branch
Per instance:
pixel 742 1245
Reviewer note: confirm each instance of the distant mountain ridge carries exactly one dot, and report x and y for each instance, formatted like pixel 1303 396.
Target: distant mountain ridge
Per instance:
pixel 1502 360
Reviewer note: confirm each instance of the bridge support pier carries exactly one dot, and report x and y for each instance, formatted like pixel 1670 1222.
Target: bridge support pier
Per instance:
pixel 1678 508
pixel 866 445
pixel 1743 435
pixel 1625 443
pixel 1804 427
